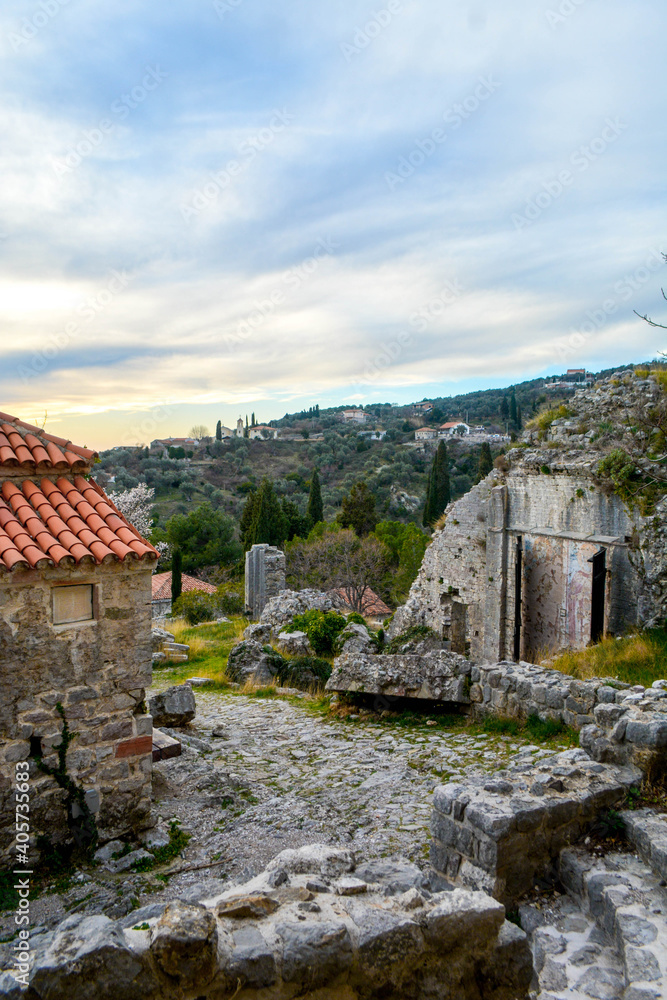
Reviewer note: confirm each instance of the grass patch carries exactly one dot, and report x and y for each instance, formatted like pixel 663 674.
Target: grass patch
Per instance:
pixel 633 659
pixel 178 841
pixel 210 645
pixel 533 728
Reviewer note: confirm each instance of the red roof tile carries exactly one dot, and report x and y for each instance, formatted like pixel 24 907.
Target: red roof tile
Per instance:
pixel 63 523
pixel 162 586
pixel 372 604
pixel 22 445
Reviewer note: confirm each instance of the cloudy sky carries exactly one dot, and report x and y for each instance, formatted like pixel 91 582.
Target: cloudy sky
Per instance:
pixel 209 208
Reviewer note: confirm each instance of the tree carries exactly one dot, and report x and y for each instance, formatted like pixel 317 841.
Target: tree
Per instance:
pixel 504 409
pixel 518 417
pixel 218 431
pixel 176 576
pixel 338 560
pixel 198 432
pixel 136 505
pixel 205 537
pixel 513 410
pixel 405 545
pixel 296 523
pixel 485 464
pixel 438 492
pixel 263 518
pixel 647 319
pixel 252 420
pixel 358 510
pixel 314 510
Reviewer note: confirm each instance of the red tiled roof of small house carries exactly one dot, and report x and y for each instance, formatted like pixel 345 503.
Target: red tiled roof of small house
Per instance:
pixel 161 584
pixel 59 521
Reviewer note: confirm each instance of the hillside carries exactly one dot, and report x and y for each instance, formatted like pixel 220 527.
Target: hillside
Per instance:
pixel 395 468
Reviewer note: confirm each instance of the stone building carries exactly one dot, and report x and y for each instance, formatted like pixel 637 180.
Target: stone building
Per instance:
pixel 75 643
pixel 543 555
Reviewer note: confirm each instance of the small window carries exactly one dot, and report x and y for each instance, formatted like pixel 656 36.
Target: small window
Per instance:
pixel 72 604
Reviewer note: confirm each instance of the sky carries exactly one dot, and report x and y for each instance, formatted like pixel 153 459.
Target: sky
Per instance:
pixel 216 207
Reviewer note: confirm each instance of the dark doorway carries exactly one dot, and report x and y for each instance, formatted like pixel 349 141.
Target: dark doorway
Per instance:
pixel 599 561
pixel 518 577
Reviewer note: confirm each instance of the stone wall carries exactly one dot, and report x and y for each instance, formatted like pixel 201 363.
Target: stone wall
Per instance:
pixel 97 671
pixel 264 577
pixel 555 522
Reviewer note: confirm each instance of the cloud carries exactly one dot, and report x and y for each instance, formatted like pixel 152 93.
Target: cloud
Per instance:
pixel 281 139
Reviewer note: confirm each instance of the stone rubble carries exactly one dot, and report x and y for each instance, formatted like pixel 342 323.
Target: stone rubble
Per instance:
pixel 276 935
pixel 174 707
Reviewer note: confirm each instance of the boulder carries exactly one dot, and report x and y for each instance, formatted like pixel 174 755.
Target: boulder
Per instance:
pixel 281 610
pixel 158 638
pixel 259 633
pixel 294 644
pixel 248 661
pixel 314 859
pixel 87 958
pixel 184 943
pixel 174 707
pixel 354 639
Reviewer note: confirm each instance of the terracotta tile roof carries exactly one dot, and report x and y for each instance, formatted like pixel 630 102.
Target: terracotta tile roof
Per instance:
pixel 161 584
pixel 372 604
pixel 63 523
pixel 25 446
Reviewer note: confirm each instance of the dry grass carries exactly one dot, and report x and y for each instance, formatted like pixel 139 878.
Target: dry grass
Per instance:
pixel 209 648
pixel 633 659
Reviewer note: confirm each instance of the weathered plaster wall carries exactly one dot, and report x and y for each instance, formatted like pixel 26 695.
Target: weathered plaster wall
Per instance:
pixel 98 671
pixel 560 519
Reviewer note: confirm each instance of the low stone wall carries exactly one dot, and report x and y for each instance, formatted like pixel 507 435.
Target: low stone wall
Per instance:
pixel 305 927
pixel 618 723
pixel 503 833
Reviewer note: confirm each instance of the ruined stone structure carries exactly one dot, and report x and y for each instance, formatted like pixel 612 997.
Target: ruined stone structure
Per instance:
pixel 264 577
pixel 75 643
pixel 540 556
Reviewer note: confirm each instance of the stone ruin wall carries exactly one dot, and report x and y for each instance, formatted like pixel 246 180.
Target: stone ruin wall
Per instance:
pixel 264 577
pixel 98 671
pixel 467 578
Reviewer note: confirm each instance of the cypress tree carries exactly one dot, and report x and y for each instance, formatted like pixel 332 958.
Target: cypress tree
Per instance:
pixel 218 431
pixel 485 460
pixel 438 493
pixel 504 409
pixel 246 522
pixel 518 417
pixel 513 412
pixel 269 523
pixel 176 575
pixel 314 510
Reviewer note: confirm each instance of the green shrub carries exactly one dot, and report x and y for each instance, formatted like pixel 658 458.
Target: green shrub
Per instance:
pixel 321 627
pixel 304 671
pixel 230 601
pixel 415 632
pixel 196 606
pixel 356 619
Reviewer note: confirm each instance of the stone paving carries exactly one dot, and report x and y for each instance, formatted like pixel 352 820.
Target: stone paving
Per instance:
pixel 277 776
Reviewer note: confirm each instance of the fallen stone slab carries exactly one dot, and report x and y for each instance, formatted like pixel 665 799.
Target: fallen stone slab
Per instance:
pixel 437 676
pixel 174 707
pixel 503 833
